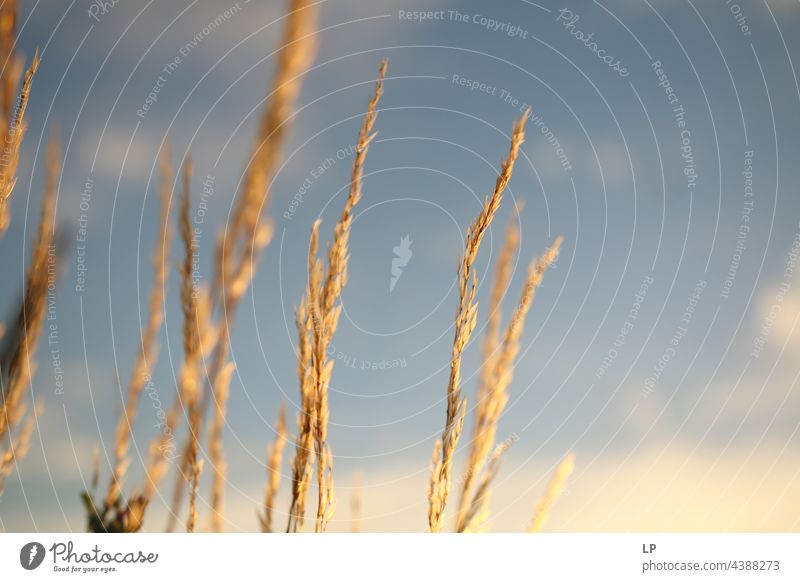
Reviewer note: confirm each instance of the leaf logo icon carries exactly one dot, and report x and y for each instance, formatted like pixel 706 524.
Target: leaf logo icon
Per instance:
pixel 402 255
pixel 31 555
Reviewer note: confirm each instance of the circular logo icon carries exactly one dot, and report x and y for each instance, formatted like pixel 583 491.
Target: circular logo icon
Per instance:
pixel 31 555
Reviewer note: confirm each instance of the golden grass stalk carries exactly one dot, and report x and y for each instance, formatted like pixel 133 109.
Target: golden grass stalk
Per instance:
pixel 479 446
pixel 40 276
pixel 194 318
pixel 320 316
pixel 554 489
pixel 190 375
pixel 10 63
pixel 504 366
pixel 478 510
pixel 197 469
pixel 326 497
pixel 303 459
pixel 189 389
pixel 189 295
pixel 295 57
pixel 12 123
pixel 274 462
pixel 19 446
pixel 163 448
pixel 196 315
pixel 148 351
pixel 327 311
pixel 250 231
pixel 439 488
pixel 219 465
pixel 493 395
pixel 189 393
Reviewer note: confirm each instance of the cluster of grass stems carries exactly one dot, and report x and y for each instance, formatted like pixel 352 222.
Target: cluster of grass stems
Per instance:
pixel 208 314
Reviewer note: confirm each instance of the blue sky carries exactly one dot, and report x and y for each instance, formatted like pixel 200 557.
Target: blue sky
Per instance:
pixel 711 444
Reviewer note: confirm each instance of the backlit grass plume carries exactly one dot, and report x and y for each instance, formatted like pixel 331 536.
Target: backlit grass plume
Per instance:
pixel 494 396
pixel 480 446
pixel 18 369
pixel 250 230
pixel 12 111
pixel 318 317
pixel 554 489
pixel 190 375
pixel 466 314
pixel 274 462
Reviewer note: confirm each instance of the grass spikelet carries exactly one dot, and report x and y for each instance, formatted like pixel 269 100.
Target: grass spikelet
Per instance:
pixel 321 310
pixel 19 446
pixel 274 462
pixel 504 366
pixel 189 387
pixel 219 466
pixel 554 489
pixel 148 351
pixel 493 396
pixel 197 469
pixel 10 63
pixel 163 448
pixel 439 489
pixel 189 295
pixel 480 446
pixel 41 274
pixel 303 459
pixel 13 125
pixel 478 510
pixel 250 231
pixel 195 318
